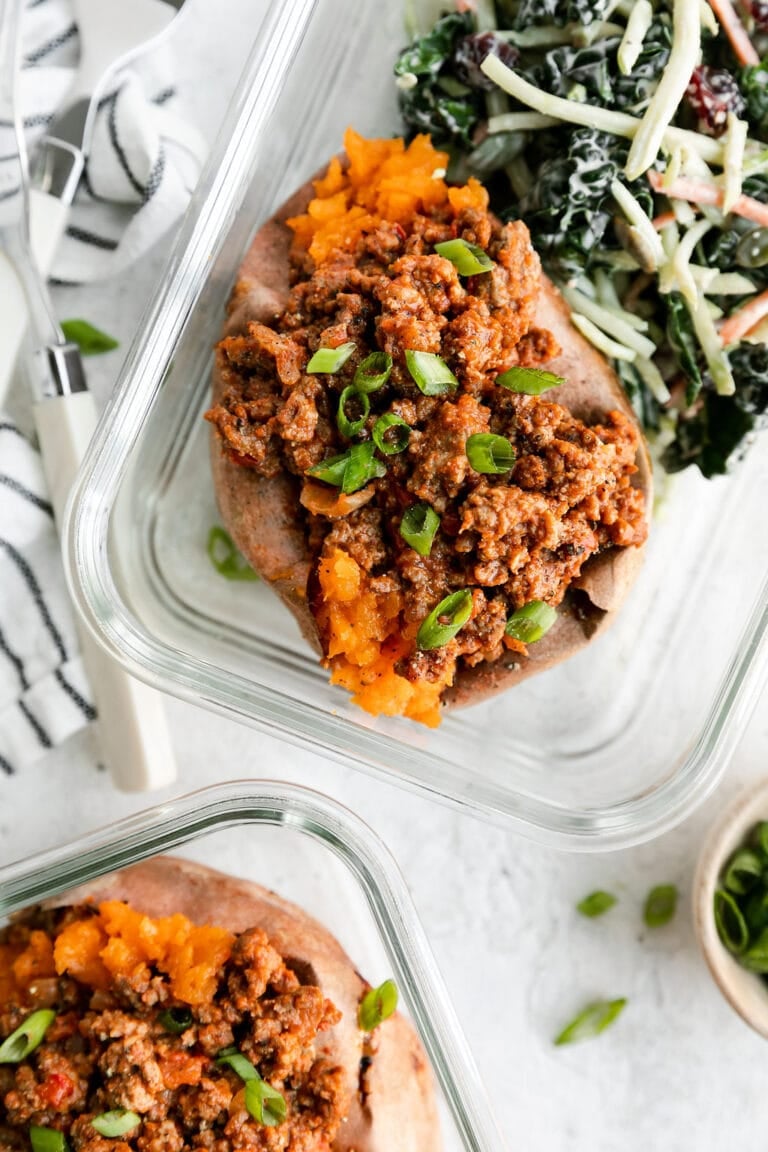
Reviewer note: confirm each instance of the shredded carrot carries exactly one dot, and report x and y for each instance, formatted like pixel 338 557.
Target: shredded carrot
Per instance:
pixel 701 192
pixel 663 220
pixel 383 180
pixel 743 47
pixel 740 324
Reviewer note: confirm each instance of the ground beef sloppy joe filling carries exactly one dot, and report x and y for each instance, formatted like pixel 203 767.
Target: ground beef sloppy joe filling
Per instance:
pixel 365 273
pixel 142 1011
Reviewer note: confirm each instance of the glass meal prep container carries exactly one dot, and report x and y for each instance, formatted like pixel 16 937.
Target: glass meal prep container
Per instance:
pixel 609 748
pixel 313 852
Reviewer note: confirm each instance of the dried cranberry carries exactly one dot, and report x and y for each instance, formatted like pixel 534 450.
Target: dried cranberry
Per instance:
pixel 712 93
pixel 470 52
pixel 758 10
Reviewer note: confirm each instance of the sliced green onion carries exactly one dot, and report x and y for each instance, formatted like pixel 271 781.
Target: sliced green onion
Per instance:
pixel 115 1123
pixel 351 470
pixel 377 1005
pixel 531 381
pixel 373 372
pixel 430 373
pixel 444 621
pixel 331 359
pixel 596 904
pixel 731 926
pixel 660 905
pixel 91 341
pixel 389 445
pixel 531 622
pixel 761 836
pixel 225 557
pixel 264 1103
pixel 592 1021
pixel 743 871
pixel 47 1139
pixel 468 259
pixel 347 427
pixel 489 454
pixel 176 1020
pixel 756 911
pixel 238 1063
pixel 418 527
pixel 27 1037
pixel 755 958
pixel 362 466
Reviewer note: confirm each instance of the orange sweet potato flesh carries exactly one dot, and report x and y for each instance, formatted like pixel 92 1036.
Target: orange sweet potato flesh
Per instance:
pixel 263 516
pixel 398 1111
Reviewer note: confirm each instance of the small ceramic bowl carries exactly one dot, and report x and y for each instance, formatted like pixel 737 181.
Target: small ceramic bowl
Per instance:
pixel 743 990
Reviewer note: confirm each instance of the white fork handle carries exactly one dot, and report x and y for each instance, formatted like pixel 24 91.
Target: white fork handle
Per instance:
pixel 133 734
pixel 48 218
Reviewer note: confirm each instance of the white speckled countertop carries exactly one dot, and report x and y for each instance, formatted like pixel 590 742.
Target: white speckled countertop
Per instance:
pixel 679 1070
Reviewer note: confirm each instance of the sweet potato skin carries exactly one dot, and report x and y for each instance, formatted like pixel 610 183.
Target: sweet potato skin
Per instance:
pixel 262 516
pixel 399 1109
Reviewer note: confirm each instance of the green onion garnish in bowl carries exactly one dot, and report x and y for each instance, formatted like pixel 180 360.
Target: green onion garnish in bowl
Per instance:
pixel 731 904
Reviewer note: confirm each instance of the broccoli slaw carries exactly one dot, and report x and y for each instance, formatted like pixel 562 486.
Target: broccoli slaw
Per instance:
pixel 632 138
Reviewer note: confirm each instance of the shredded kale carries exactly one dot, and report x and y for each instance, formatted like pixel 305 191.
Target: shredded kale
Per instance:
pixel 682 340
pixel 558 12
pixel 438 102
pixel 753 82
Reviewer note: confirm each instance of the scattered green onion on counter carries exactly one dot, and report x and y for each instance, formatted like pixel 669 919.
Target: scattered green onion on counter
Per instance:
pixel 489 454
pixel 418 527
pixel 91 341
pixel 27 1037
pixel 531 622
pixel 593 1020
pixel 741 902
pixel 331 359
pixel 530 381
pixel 391 434
pixel 468 259
pixel 373 372
pixel 226 558
pixel 430 373
pixel 596 904
pixel 115 1123
pixel 660 905
pixel 445 620
pixel 377 1005
pixel 350 427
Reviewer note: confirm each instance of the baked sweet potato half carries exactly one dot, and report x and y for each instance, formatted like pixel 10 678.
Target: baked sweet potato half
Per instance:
pixel 413 445
pixel 183 984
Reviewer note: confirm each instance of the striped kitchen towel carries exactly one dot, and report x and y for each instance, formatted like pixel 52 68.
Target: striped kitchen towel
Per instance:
pixel 145 158
pixel 44 696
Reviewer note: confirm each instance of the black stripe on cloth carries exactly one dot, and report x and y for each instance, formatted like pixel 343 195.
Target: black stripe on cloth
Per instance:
pixel 112 124
pixel 9 193
pixel 36 121
pixel 20 490
pixel 15 660
pixel 155 176
pixel 35 4
pixel 87 709
pixel 50 46
pixel 36 726
pixel 6 427
pixel 6 767
pixel 164 96
pixel 86 237
pixel 34 588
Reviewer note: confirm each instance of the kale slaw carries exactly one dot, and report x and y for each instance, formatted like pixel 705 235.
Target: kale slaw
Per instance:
pixel 632 139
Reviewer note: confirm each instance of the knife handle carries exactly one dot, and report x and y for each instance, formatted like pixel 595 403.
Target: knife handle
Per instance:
pixel 133 734
pixel 47 221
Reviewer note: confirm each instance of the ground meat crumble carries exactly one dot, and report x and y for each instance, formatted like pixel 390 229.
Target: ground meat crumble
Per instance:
pixel 511 538
pixel 109 1049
